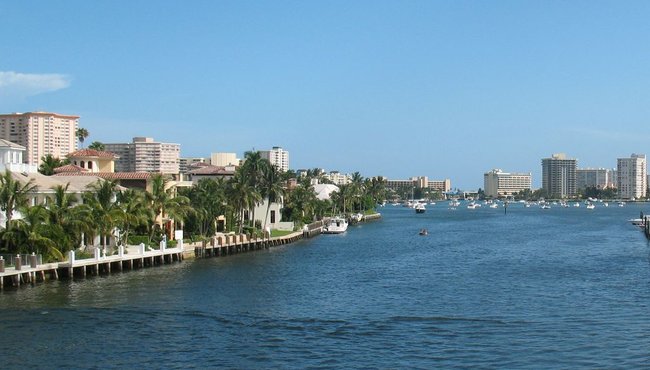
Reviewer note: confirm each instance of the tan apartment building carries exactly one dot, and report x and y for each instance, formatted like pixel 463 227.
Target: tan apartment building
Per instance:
pixel 498 183
pixel 278 157
pixel 146 155
pixel 41 133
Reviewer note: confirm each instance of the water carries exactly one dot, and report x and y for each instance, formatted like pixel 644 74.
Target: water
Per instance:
pixel 558 288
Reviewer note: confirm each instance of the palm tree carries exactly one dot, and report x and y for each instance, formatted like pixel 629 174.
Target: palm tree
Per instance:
pixel 165 203
pixel 208 199
pixel 82 134
pixel 49 163
pixel 272 188
pixel 29 234
pixel 97 145
pixel 67 220
pixel 105 213
pixel 13 195
pixel 242 195
pixel 253 169
pixel 134 212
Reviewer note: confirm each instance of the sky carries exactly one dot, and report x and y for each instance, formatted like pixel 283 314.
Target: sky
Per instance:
pixel 444 89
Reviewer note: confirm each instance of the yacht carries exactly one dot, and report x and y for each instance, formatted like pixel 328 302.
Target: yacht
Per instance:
pixel 336 225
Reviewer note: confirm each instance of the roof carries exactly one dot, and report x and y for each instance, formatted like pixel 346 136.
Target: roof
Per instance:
pixel 91 153
pixel 69 168
pixel 323 191
pixel 10 144
pixel 211 170
pixel 112 175
pixel 45 184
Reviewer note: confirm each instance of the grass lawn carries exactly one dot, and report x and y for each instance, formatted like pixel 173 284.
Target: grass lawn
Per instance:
pixel 275 233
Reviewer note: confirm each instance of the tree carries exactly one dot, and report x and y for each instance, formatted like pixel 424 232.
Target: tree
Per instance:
pixel 49 163
pixel 29 234
pixel 13 195
pixel 165 205
pixel 253 170
pixel 134 212
pixel 103 210
pixel 66 219
pixel 97 145
pixel 242 195
pixel 82 134
pixel 272 188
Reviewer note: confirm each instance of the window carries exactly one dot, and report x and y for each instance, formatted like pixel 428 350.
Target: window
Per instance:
pixel 272 217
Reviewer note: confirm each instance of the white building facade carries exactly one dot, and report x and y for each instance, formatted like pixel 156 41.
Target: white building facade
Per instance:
pixel 600 178
pixel 498 183
pixel 632 177
pixel 278 157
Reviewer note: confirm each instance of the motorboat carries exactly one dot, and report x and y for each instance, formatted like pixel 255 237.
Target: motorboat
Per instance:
pixel 591 206
pixel 637 222
pixel 545 206
pixel 356 217
pixel 424 232
pixel 336 225
pixel 420 208
pixel 472 205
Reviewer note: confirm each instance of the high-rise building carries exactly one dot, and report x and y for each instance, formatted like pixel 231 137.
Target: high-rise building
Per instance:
pixel 559 176
pixel 498 183
pixel 278 157
pixel 600 178
pixel 41 133
pixel 146 155
pixel 420 182
pixel 185 164
pixel 224 159
pixel 632 176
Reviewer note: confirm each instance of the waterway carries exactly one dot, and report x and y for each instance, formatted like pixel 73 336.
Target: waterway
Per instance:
pixel 557 288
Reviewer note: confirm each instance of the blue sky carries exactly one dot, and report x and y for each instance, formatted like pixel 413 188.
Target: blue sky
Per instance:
pixel 395 88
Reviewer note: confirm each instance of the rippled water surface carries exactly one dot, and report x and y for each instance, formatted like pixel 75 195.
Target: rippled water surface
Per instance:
pixel 535 288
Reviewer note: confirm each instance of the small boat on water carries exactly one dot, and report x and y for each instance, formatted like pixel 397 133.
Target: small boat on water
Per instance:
pixel 591 206
pixel 336 225
pixel 424 232
pixel 637 222
pixel 420 208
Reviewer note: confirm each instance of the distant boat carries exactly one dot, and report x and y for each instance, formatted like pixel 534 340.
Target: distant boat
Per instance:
pixel 591 206
pixel 336 225
pixel 621 204
pixel 472 205
pixel 420 208
pixel 637 222
pixel 424 232
pixel 545 206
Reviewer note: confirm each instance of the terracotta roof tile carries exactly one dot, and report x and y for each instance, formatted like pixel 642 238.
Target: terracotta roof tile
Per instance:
pixel 69 168
pixel 91 153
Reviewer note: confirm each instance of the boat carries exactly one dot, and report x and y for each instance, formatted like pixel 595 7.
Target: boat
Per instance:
pixel 472 205
pixel 494 205
pixel 420 208
pixel 637 222
pixel 424 232
pixel 336 225
pixel 591 206
pixel 545 206
pixel 621 204
pixel 356 217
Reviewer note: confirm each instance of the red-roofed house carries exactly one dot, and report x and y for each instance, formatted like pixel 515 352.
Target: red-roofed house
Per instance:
pixel 93 160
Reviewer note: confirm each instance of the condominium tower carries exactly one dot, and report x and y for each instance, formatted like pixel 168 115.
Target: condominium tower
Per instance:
pixel 632 176
pixel 278 157
pixel 599 178
pixel 41 133
pixel 498 183
pixel 146 155
pixel 559 175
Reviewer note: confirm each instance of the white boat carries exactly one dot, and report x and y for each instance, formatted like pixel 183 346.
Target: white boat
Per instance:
pixel 545 206
pixel 637 222
pixel 591 206
pixel 420 208
pixel 621 204
pixel 494 205
pixel 336 225
pixel 357 217
pixel 454 203
pixel 472 205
